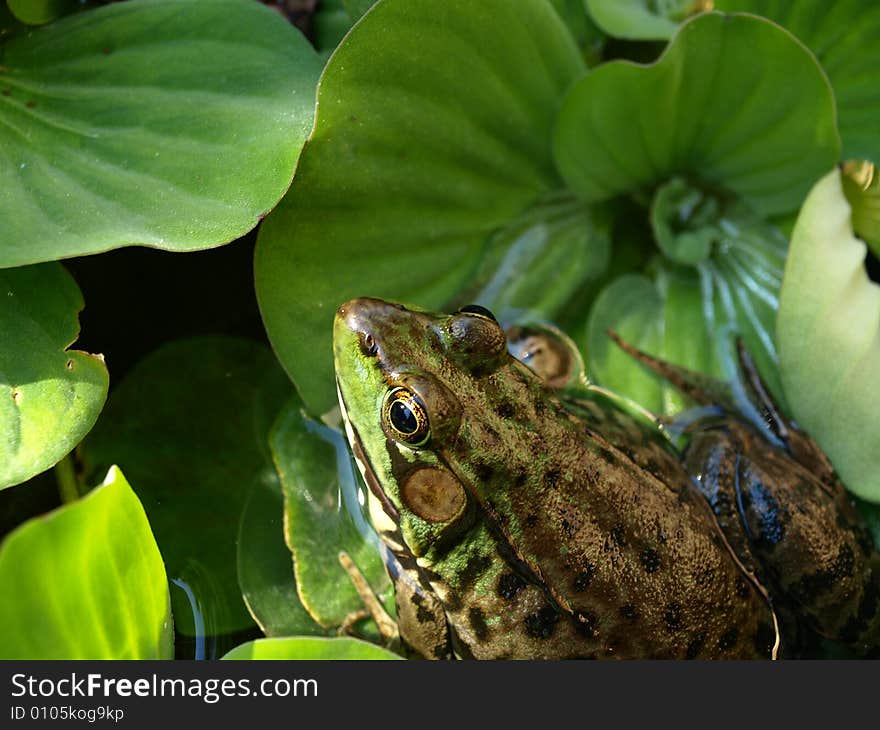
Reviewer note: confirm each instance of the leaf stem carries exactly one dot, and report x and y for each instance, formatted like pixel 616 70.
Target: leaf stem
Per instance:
pixel 66 477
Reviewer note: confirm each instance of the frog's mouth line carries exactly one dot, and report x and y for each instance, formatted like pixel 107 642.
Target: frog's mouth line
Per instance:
pixel 364 466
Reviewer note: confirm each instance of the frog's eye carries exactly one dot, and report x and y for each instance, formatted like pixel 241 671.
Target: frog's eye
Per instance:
pixel 477 310
pixel 405 417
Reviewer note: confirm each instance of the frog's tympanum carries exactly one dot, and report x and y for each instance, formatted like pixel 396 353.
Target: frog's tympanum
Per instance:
pixel 528 523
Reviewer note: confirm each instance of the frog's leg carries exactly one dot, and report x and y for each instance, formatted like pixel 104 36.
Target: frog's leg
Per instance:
pixel 372 607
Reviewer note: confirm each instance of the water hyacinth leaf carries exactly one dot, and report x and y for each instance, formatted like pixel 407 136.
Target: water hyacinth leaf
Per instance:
pixel 50 396
pixel 309 647
pixel 709 108
pixel 828 330
pixel 409 169
pixel 189 424
pixel 86 582
pixel 323 503
pixel 542 258
pixel 843 35
pixel 265 567
pixel 690 315
pixel 638 19
pixel 169 124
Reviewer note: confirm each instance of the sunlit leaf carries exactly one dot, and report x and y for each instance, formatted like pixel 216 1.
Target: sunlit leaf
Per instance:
pixel 309 647
pixel 86 582
pixel 49 396
pixel 828 330
pixel 173 124
pixel 712 109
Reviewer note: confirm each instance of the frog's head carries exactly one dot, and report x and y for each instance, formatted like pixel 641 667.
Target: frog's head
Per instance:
pixel 405 378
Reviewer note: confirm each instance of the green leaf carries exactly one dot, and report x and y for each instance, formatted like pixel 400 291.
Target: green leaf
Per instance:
pixel 309 647
pixel 323 516
pixel 828 331
pixel 37 12
pixel 638 19
pixel 710 108
pixel 49 396
pixel 687 315
pixel 169 124
pixel 432 131
pixel 86 582
pixel 189 424
pixel 843 34
pixel 542 258
pixel 265 566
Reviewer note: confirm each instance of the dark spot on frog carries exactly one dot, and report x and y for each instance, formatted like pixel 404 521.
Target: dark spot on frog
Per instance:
pixel 867 608
pixel 505 410
pixel 765 638
pixel 742 588
pixel 583 579
pixel 478 624
pixel 586 623
pixel 509 585
pixel 539 625
pixel 551 478
pixel 531 520
pixel 815 584
pixel 629 612
pixel 483 471
pixel 521 478
pixel 567 529
pixel 672 616
pixel 440 651
pixel 617 535
pixel 704 576
pixel 474 568
pixel 423 615
pixel 728 638
pixel 695 646
pixel 650 560
pixel 771 518
pixel 608 456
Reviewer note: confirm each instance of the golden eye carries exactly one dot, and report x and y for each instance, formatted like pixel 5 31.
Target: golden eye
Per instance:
pixel 405 417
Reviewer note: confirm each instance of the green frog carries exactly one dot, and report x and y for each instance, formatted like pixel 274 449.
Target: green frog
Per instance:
pixel 526 525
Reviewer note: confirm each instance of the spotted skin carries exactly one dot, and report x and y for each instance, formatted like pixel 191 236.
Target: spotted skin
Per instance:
pixel 572 540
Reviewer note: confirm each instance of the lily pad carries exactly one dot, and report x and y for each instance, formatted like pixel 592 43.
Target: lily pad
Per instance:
pixel 710 109
pixel 265 566
pixel 86 582
pixel 189 424
pixel 828 330
pixel 323 505
pixel 50 396
pixel 843 34
pixel 309 647
pixel 172 124
pixel 639 19
pixel 432 131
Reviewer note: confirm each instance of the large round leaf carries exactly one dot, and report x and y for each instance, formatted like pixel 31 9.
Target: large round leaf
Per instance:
pixel 432 130
pixel 710 108
pixel 86 582
pixel 174 124
pixel 49 396
pixel 189 424
pixel 844 35
pixel 828 330
pixel 309 647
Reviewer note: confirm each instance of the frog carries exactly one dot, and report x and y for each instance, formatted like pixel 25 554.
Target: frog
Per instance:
pixel 524 525
pixel 780 503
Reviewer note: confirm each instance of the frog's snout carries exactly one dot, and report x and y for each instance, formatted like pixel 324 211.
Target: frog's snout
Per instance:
pixel 363 314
